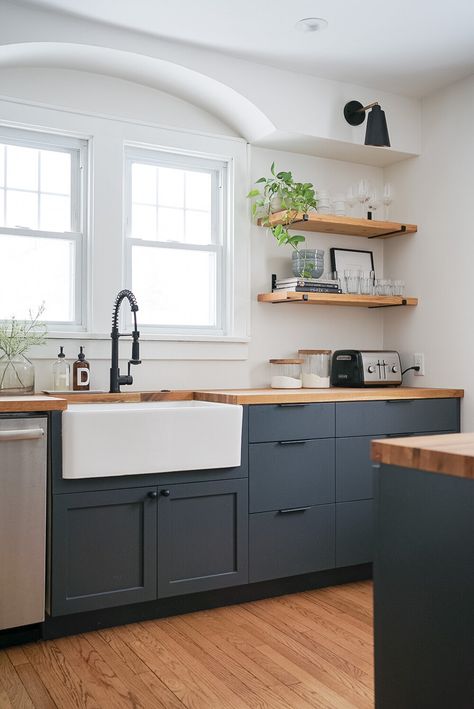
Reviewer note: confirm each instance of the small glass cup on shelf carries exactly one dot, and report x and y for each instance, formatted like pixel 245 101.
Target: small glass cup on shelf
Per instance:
pixel 351 199
pixel 366 285
pixel 398 287
pixel 352 281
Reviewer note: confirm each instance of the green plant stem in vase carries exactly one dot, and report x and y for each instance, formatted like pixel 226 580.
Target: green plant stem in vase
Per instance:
pixel 293 199
pixel 17 374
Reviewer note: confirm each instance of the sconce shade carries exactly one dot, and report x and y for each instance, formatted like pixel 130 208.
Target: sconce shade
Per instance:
pixel 377 131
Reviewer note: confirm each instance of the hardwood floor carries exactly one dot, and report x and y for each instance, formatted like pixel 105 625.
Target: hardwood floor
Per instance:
pixel 300 651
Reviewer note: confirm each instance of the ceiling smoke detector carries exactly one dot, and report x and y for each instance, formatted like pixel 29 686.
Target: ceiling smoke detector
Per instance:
pixel 311 24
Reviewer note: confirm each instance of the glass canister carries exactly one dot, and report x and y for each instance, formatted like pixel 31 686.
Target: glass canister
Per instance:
pixel 285 373
pixel 316 368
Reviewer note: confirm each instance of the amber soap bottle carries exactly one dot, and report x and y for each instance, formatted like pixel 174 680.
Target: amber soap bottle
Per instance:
pixel 81 373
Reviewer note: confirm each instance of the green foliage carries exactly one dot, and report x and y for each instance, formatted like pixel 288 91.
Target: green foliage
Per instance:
pixel 294 199
pixel 17 336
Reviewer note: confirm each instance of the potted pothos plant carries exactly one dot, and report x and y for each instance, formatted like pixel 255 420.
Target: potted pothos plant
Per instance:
pixel 280 193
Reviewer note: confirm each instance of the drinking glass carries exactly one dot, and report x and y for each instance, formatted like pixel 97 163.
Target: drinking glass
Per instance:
pixel 366 285
pixel 352 279
pixel 387 198
pixel 398 287
pixel 363 193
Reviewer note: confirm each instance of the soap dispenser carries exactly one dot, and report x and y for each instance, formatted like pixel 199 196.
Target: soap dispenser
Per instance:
pixel 81 372
pixel 61 372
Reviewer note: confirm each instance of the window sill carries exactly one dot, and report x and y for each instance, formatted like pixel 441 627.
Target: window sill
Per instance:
pixel 152 347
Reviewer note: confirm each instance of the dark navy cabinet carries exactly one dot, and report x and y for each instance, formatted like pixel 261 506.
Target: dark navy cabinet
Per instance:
pixel 202 536
pixel 357 424
pixel 105 551
pixel 301 502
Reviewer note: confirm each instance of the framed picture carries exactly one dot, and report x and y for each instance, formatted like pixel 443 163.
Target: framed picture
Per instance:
pixel 351 259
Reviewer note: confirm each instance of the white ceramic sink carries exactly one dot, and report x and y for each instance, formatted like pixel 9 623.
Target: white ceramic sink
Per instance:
pixel 101 440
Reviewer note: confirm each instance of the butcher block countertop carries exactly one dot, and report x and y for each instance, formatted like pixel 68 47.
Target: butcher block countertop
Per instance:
pixel 25 404
pixel 266 396
pixel 309 396
pixel 449 454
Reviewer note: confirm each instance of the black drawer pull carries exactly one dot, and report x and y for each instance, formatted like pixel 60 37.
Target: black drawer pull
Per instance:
pixel 292 510
pixel 401 401
pixel 291 443
pixel 152 494
pixel 295 404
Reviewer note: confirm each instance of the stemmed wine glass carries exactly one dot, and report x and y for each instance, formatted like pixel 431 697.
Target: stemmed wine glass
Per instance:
pixel 373 202
pixel 387 198
pixel 363 195
pixel 351 198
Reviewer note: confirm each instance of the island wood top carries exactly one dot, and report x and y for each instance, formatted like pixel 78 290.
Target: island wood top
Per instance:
pixel 308 396
pixel 449 454
pixel 28 404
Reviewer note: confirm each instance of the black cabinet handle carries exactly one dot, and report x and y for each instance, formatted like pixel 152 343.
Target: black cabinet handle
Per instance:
pixel 292 510
pixel 152 494
pixel 295 404
pixel 400 401
pixel 291 443
pixel 165 493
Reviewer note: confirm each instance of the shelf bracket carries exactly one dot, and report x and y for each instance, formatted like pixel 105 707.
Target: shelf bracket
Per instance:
pixel 402 230
pixel 394 305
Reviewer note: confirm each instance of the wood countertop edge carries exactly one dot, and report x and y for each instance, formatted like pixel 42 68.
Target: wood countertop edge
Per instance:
pixel 31 404
pixel 282 396
pixel 228 396
pixel 433 454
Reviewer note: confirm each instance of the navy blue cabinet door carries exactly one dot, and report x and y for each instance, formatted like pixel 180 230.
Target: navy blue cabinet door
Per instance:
pixel 202 536
pixel 103 549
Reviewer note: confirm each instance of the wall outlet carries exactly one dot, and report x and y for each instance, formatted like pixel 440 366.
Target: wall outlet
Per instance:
pixel 419 359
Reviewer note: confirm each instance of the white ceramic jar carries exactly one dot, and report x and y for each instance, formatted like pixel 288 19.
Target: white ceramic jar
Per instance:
pixel 316 368
pixel 285 373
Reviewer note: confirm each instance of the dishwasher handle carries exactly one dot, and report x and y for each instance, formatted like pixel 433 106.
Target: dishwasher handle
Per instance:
pixel 27 434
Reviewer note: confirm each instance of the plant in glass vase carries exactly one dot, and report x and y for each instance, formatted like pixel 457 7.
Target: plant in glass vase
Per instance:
pixel 17 373
pixel 280 193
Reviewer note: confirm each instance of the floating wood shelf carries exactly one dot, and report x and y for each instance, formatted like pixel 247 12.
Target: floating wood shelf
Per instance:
pixel 348 226
pixel 361 301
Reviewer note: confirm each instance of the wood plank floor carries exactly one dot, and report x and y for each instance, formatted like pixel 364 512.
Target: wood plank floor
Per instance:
pixel 300 651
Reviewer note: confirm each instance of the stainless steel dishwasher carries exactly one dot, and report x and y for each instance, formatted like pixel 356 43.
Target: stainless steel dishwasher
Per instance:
pixel 23 465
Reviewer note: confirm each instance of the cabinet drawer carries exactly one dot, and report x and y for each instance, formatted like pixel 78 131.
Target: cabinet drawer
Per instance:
pixel 354 532
pixel 354 471
pixel 291 542
pixel 290 422
pixel 291 474
pixel 396 416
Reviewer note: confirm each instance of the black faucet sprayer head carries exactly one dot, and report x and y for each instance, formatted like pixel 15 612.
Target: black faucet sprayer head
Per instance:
pixel 118 301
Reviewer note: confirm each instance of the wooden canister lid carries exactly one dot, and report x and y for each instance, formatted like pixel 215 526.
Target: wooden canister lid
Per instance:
pixel 286 361
pixel 306 352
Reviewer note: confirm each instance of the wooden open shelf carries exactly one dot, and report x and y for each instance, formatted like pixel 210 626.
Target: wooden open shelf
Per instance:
pixel 348 226
pixel 361 301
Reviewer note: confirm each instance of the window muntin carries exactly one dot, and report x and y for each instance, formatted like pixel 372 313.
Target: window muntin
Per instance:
pixel 176 241
pixel 42 218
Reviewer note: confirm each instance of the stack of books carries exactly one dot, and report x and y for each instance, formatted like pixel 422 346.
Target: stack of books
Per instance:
pixel 307 285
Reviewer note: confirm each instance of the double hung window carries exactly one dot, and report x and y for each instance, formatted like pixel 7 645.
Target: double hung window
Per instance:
pixel 42 226
pixel 177 241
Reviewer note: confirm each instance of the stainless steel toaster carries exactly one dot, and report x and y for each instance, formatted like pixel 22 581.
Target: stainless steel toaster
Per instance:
pixel 366 368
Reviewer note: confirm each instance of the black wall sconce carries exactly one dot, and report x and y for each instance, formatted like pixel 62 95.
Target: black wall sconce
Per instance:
pixel 376 132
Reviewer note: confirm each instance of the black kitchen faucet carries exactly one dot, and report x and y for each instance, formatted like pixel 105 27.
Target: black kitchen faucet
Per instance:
pixel 117 379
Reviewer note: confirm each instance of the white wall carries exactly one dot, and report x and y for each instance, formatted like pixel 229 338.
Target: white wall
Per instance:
pixel 275 330
pixel 256 98
pixel 436 191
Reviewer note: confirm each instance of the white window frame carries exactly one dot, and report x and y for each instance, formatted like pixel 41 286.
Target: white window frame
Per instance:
pixel 78 149
pixel 222 245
